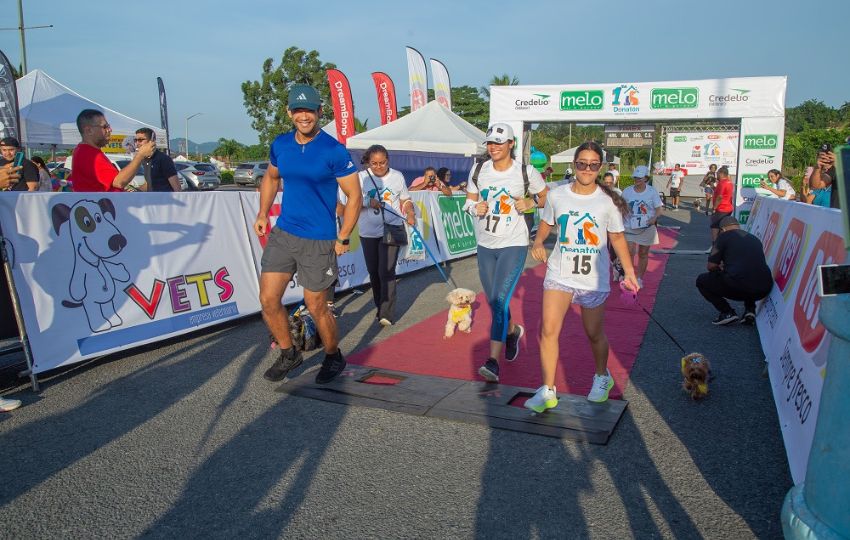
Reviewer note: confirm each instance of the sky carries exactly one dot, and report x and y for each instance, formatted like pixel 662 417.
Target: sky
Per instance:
pixel 112 52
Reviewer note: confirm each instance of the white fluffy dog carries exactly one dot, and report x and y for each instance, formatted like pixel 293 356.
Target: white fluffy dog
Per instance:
pixel 460 314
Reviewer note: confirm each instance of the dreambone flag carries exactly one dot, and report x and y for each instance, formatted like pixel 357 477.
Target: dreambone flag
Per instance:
pixel 386 97
pixel 442 85
pixel 9 121
pixel 418 79
pixel 342 103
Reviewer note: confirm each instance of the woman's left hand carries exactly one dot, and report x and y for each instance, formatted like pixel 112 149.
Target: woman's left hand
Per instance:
pixel 631 282
pixel 524 204
pixel 411 220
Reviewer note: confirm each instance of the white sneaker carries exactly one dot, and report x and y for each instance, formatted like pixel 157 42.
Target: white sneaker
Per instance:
pixel 640 282
pixel 544 398
pixel 602 384
pixel 7 405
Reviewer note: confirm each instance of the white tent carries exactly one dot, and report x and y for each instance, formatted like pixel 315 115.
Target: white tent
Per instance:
pixel 433 128
pixel 49 114
pixel 567 156
pixel 330 128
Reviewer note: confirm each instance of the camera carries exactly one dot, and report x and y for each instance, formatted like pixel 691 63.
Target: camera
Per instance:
pixel 825 147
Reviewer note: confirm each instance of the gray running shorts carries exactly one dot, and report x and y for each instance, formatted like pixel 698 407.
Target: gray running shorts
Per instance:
pixel 313 260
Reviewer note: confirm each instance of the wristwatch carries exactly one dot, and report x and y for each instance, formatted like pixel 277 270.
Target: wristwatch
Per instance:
pixel 343 241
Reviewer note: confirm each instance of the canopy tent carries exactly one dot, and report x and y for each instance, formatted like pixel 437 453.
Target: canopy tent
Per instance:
pixel 431 136
pixel 49 112
pixel 567 156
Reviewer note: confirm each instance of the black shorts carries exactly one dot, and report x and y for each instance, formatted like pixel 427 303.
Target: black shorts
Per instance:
pixel 674 192
pixel 313 260
pixel 716 217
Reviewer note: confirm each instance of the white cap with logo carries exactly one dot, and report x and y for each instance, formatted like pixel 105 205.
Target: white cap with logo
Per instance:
pixel 499 134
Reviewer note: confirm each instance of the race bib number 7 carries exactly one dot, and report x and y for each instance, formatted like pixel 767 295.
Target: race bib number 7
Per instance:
pixel 640 221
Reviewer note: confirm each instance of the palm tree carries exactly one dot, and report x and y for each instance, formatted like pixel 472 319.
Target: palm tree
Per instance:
pixel 228 148
pixel 499 80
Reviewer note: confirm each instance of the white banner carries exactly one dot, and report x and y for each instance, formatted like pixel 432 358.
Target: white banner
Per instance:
pixel 745 97
pixel 97 273
pixel 797 238
pixel 442 84
pixel 695 151
pixel 418 79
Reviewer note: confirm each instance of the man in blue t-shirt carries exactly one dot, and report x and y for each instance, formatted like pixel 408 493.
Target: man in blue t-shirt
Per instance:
pixel 305 239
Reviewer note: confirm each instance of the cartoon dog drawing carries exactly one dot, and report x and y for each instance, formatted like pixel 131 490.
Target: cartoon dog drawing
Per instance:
pixel 95 238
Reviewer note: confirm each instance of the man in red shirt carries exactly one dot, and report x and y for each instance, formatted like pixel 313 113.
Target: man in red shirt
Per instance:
pixel 722 201
pixel 91 169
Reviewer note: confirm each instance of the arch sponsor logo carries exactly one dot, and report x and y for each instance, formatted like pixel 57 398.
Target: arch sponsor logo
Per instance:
pixel 785 267
pixel 829 249
pixel 751 180
pixel 674 98
pixel 761 142
pixel 535 101
pixel 625 99
pixel 737 95
pixel 764 160
pixel 582 100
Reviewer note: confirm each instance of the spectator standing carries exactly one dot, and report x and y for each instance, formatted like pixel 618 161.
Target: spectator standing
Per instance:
pixel 823 176
pixel 430 181
pixel 709 181
pixel 778 185
pixel 28 181
pixel 645 207
pixel 160 173
pixel 674 185
pixel 92 171
pixel 737 270
pixel 496 201
pixel 723 206
pixel 45 183
pixel 305 238
pixel 384 194
pixel 612 170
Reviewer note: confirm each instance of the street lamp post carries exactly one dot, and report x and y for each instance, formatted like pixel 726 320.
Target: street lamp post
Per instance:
pixel 187 132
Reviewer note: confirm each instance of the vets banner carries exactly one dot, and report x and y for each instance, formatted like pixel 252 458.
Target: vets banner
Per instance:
pixel 97 273
pixel 797 238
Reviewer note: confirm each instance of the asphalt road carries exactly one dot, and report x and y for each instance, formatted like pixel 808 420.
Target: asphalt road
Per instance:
pixel 186 439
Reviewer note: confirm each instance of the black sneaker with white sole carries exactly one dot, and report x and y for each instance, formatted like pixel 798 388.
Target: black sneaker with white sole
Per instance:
pixel 512 343
pixel 748 318
pixel 332 365
pixel 490 370
pixel 725 318
pixel 288 360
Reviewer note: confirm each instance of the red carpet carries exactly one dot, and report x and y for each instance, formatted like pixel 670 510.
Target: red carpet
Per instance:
pixel 421 349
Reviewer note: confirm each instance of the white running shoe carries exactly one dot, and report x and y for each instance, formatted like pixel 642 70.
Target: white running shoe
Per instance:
pixel 602 384
pixel 7 405
pixel 544 398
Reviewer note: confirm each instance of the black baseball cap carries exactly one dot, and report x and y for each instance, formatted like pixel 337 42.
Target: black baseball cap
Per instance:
pixel 728 221
pixel 10 141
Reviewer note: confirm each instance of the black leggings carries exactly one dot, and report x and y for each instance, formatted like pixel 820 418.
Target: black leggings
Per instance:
pixel 380 263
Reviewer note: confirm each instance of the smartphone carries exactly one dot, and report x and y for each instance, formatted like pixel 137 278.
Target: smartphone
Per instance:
pixel 19 158
pixel 842 184
pixel 833 279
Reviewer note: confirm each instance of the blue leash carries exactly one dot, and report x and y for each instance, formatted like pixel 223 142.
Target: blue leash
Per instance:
pixel 436 263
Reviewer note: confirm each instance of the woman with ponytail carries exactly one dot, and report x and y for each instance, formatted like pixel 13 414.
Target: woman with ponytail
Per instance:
pixel 586 217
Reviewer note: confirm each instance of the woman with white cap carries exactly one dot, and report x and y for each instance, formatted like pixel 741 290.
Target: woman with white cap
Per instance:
pixel 497 195
pixel 645 207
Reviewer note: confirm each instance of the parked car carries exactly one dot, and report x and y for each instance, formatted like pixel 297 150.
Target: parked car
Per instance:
pixel 250 173
pixel 139 179
pixel 202 176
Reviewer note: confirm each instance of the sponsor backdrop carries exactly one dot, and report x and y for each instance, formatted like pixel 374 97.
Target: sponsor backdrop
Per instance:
pixel 797 238
pixel 101 273
pixel 696 151
pixel 759 102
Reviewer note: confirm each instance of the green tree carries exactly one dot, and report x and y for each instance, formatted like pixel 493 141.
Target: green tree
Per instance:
pixel 811 113
pixel 228 148
pixel 265 100
pixel 498 80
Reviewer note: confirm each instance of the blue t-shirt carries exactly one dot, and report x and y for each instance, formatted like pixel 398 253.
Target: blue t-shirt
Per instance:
pixel 822 196
pixel 310 173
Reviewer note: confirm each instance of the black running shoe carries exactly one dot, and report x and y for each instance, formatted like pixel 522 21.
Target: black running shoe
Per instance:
pixel 490 370
pixel 748 318
pixel 512 343
pixel 288 360
pixel 332 365
pixel 725 318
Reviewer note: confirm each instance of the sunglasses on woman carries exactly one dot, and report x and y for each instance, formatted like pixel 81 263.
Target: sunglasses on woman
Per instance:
pixel 595 166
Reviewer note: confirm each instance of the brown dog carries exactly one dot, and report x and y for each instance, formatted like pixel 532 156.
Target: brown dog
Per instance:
pixel 695 370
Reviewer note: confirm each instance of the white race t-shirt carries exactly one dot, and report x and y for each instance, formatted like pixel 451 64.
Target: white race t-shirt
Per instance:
pixel 582 222
pixel 391 189
pixel 503 226
pixel 616 174
pixel 676 178
pixel 790 194
pixel 643 206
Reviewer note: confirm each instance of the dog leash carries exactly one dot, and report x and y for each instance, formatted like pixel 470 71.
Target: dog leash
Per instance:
pixel 661 326
pixel 434 261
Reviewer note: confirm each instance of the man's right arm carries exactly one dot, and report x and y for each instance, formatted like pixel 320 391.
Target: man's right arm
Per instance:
pixel 9 175
pixel 126 175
